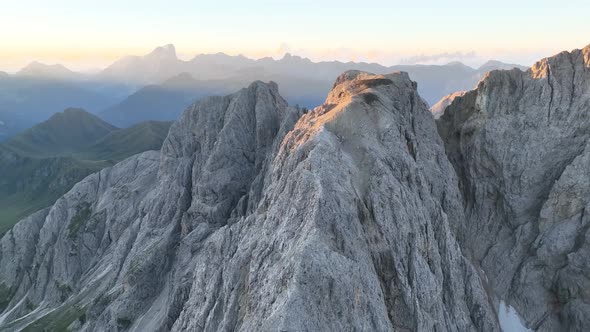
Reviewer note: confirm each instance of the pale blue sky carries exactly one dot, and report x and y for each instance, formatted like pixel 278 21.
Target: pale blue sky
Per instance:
pixel 93 33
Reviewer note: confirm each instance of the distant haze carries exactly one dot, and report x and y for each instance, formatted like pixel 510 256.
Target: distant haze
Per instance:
pixel 90 35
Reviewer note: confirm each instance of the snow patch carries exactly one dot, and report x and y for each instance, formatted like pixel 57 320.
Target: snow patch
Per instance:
pixel 509 319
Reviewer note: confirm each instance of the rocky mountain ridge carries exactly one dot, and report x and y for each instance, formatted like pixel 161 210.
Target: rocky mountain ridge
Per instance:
pixel 519 144
pixel 362 214
pixel 55 71
pixel 236 225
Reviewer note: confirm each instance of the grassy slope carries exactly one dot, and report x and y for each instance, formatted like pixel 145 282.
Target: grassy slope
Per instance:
pixel 126 142
pixel 30 183
pixel 63 133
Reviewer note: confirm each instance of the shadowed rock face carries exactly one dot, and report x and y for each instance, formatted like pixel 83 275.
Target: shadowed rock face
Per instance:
pixel 519 144
pixel 438 109
pixel 256 217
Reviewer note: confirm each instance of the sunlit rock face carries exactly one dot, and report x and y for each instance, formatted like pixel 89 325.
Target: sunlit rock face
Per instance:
pixel 438 109
pixel 519 144
pixel 257 217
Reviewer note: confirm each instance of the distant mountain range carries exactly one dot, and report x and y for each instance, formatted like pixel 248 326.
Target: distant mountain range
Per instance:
pixel 56 71
pixel 45 161
pixel 299 77
pixel 27 100
pixel 159 85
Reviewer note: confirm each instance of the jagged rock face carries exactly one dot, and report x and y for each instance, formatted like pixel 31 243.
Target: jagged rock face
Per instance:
pixel 69 255
pixel 108 247
pixel 438 109
pixel 254 217
pixel 350 233
pixel 519 144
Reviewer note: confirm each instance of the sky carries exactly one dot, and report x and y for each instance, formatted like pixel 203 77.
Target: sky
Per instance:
pixel 87 35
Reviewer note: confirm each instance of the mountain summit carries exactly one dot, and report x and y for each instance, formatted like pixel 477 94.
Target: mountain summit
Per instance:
pixel 154 67
pixel 255 216
pixel 63 133
pixel 163 53
pixel 40 70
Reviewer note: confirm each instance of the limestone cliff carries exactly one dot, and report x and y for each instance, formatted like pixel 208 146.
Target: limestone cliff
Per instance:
pixel 256 217
pixel 519 144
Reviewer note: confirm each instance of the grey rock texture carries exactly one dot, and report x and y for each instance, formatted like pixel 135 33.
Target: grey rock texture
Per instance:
pixel 439 108
pixel 519 144
pixel 256 217
pixel 18 251
pixel 68 254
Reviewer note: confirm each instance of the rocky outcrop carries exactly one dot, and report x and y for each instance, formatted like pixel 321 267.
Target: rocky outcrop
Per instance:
pixel 439 108
pixel 519 144
pixel 256 217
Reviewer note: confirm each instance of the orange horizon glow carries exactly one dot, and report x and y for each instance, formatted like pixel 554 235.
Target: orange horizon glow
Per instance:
pixel 84 58
pixel 83 35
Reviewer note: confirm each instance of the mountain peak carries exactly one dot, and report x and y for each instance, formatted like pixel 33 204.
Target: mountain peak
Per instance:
pixel 74 116
pixel 74 111
pixel 63 132
pixel 458 64
pixel 220 58
pixel 39 69
pixel 495 64
pixel 154 67
pixel 356 80
pixel 290 57
pixel 166 51
pixel 39 65
pixel 359 87
pixel 491 63
pixel 439 108
pixel 563 59
pixel 529 125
